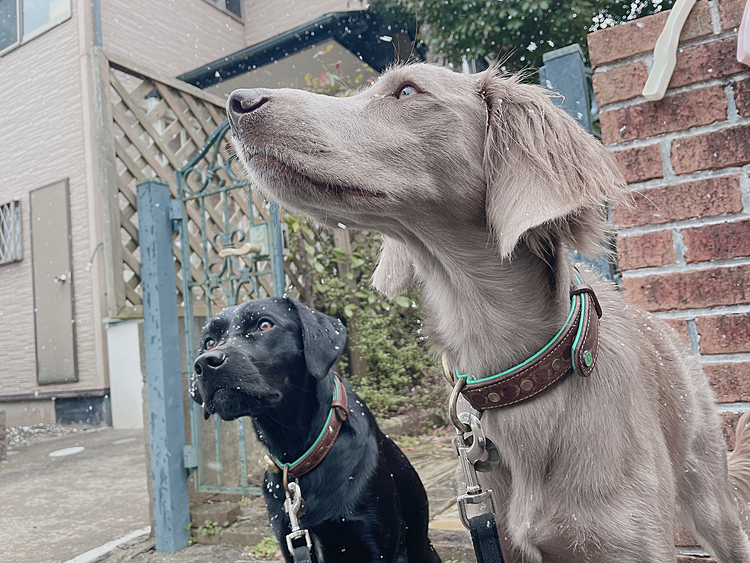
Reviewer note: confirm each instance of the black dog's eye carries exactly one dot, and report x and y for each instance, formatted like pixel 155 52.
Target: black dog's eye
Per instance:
pixel 407 90
pixel 209 344
pixel 265 325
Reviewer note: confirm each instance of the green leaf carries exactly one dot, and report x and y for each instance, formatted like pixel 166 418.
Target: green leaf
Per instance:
pixel 340 254
pixel 403 301
pixel 356 263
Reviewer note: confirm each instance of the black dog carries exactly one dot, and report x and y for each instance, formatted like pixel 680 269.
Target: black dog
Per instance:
pixel 272 360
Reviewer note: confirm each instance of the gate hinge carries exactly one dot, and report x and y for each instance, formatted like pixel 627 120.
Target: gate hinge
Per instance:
pixel 175 213
pixel 190 456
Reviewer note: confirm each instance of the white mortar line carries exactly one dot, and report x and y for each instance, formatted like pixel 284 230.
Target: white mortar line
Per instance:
pixel 709 266
pixel 721 81
pixel 679 247
pixel 685 223
pixel 98 552
pixel 693 336
pixel 739 358
pixel 665 148
pixel 745 188
pixel 674 180
pixel 703 312
pixel 691 551
pixel 732 115
pixel 713 9
pixel 734 408
pixel 674 135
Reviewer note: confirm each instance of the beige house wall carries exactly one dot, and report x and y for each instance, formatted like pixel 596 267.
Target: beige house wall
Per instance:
pixel 169 36
pixel 41 132
pixel 175 37
pixel 45 132
pixel 264 19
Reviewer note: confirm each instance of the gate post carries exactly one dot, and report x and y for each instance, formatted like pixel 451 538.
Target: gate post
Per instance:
pixel 163 374
pixel 564 72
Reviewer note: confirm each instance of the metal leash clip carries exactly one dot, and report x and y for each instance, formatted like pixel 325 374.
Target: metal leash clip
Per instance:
pixel 475 452
pixel 295 509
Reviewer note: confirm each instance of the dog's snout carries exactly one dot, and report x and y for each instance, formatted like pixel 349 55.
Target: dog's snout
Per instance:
pixel 244 101
pixel 209 361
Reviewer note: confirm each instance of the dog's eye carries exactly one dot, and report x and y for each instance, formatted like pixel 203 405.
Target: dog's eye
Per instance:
pixel 209 344
pixel 407 90
pixel 265 325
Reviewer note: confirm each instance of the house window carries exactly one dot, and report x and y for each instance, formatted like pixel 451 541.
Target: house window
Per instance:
pixel 234 7
pixel 21 20
pixel 11 249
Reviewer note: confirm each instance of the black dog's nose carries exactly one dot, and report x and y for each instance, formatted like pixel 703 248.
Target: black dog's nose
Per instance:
pixel 208 362
pixel 241 102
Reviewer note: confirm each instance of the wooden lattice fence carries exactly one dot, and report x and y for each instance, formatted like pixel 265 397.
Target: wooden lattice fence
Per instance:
pixel 151 126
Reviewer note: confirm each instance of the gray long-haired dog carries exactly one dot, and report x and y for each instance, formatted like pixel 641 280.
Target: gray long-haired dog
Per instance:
pixel 480 185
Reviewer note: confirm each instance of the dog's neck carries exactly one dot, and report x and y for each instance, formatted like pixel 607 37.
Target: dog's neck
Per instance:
pixel 292 427
pixel 489 314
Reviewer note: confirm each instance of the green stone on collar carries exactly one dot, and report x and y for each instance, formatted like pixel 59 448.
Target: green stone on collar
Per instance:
pixel 588 359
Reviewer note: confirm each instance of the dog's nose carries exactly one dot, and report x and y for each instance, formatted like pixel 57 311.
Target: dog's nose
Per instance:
pixel 241 102
pixel 209 362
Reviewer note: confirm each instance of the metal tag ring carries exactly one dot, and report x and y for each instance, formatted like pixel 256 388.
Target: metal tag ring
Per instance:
pixel 452 402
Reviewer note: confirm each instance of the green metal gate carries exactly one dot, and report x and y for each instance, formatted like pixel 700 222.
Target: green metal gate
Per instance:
pixel 232 249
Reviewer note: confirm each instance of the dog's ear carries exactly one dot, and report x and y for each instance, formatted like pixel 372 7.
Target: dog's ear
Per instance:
pixel 395 270
pixel 546 177
pixel 323 337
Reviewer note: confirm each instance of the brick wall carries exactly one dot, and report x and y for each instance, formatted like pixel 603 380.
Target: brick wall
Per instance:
pixel 685 247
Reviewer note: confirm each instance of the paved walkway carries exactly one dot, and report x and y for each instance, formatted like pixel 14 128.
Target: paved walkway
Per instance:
pixel 55 508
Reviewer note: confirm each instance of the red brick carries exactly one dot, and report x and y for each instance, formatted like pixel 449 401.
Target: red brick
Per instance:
pixel 717 242
pixel 646 250
pixel 680 325
pixel 731 13
pixel 700 198
pixel 729 380
pixel 704 62
pixel 621 83
pixel 683 538
pixel 639 36
pixel 689 290
pixel 643 163
pixel 724 334
pixel 742 97
pixel 711 151
pixel 673 113
pixel 729 424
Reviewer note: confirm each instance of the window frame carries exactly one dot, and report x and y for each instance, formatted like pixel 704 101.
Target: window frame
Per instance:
pixel 15 228
pixel 23 39
pixel 221 5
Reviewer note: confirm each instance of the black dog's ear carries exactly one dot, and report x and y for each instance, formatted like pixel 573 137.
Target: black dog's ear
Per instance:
pixel 324 339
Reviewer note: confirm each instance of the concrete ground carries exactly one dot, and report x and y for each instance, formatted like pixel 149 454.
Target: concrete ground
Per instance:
pixel 55 508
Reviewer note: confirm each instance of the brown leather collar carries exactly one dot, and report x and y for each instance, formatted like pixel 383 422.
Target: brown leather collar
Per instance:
pixel 312 457
pixel 574 348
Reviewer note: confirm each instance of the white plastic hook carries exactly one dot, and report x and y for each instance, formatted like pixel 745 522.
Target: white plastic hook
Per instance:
pixel 665 51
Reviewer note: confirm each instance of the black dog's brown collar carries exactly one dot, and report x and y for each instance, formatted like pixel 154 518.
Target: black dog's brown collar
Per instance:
pixel 574 348
pixel 317 452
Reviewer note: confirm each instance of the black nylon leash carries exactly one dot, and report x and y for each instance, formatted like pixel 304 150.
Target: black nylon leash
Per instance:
pixel 485 539
pixel 302 555
pixel 476 453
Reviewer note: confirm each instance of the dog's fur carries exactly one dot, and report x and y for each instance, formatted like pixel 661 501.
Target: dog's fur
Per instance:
pixel 480 185
pixel 365 502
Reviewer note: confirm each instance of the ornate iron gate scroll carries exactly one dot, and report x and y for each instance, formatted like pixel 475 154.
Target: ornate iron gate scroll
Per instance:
pixel 240 257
